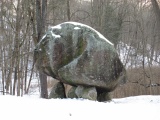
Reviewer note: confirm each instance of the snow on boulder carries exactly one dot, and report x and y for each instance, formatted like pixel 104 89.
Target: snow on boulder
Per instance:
pixel 76 54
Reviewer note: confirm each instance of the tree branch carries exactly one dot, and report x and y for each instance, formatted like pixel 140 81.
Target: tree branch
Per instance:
pixel 147 85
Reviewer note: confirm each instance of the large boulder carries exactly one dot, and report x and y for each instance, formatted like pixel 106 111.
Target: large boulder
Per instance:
pixel 76 54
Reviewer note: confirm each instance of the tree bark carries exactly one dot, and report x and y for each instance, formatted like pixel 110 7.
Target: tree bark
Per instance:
pixel 41 12
pixel 43 82
pixel 68 10
pixel 156 11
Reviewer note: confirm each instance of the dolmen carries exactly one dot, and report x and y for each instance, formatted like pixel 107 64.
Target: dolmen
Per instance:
pixel 78 55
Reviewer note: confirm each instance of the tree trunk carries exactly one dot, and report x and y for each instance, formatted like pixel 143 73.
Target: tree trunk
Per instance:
pixel 68 10
pixel 157 12
pixel 2 67
pixel 29 83
pixel 41 6
pixel 17 47
pixel 43 82
pixel 26 67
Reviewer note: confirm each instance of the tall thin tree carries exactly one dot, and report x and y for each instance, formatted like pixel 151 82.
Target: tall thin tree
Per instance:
pixel 156 10
pixel 41 12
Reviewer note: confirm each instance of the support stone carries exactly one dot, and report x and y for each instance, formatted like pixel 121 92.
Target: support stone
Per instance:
pixel 58 91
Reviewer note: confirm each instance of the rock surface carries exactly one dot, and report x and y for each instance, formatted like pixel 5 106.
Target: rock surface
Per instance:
pixel 71 93
pixel 104 96
pixel 86 92
pixel 58 91
pixel 76 54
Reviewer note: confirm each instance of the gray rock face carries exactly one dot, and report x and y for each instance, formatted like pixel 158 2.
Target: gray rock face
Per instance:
pixel 104 96
pixel 76 54
pixel 71 93
pixel 86 92
pixel 58 91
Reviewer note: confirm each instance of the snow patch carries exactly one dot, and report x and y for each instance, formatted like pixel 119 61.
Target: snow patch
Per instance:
pixel 55 36
pixel 55 27
pixel 77 28
pixel 99 34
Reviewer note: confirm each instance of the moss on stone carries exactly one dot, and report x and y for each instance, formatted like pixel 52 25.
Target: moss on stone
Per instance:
pixel 68 53
pixel 80 47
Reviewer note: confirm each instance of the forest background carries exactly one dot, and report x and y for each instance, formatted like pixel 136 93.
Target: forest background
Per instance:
pixel 132 25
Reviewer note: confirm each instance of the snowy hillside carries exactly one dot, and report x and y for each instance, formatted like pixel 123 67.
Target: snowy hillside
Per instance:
pixel 29 108
pixel 130 56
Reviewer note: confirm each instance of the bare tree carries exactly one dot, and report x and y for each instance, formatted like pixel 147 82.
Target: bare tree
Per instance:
pixel 68 10
pixel 156 11
pixel 15 27
pixel 41 12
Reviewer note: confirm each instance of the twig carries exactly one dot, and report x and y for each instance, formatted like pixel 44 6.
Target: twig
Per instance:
pixel 147 85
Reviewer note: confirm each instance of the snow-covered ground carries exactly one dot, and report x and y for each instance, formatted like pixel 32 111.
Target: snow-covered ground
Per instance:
pixel 34 108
